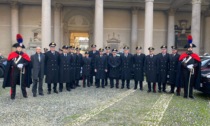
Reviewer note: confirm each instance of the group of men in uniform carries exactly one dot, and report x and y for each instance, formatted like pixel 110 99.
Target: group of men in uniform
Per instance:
pixel 69 67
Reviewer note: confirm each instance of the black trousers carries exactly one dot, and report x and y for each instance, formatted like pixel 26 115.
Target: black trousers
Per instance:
pixel 112 82
pixel 54 86
pixel 140 85
pixel 61 86
pixel 100 82
pixel 15 78
pixel 127 83
pixel 151 86
pixel 40 86
pixel 106 79
pixel 86 81
pixel 161 84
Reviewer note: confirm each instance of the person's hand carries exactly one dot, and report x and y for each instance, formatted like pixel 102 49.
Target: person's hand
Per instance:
pixel 20 66
pixel 95 70
pixel 106 70
pixel 190 66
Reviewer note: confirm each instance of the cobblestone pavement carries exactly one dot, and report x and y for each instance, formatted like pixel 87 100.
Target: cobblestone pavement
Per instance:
pixel 93 107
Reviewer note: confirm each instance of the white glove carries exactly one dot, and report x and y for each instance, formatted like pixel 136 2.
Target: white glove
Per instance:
pixel 167 76
pixel 95 70
pixel 190 66
pixel 106 70
pixel 20 66
pixel 208 76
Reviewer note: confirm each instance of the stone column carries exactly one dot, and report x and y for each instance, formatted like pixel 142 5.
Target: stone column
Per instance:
pixel 99 25
pixel 57 25
pixel 14 21
pixel 134 30
pixel 148 31
pixel 196 19
pixel 171 32
pixel 46 23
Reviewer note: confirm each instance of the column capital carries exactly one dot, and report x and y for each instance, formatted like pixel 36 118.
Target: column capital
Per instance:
pixel 196 1
pixel 171 12
pixel 149 0
pixel 135 10
pixel 58 6
pixel 14 4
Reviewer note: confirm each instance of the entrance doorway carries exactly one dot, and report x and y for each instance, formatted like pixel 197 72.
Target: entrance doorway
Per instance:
pixel 80 39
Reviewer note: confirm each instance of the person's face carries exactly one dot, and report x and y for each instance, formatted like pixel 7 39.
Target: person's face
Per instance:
pixel 114 53
pixel 101 52
pixel 93 48
pixel 38 50
pixel 78 51
pixel 150 52
pixel 174 51
pixel 72 50
pixel 190 49
pixel 65 50
pixel 52 48
pixel 126 51
pixel 19 49
pixel 163 50
pixel 138 51
pixel 107 51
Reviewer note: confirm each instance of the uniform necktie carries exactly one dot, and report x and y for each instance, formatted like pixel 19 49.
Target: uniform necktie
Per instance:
pixel 39 57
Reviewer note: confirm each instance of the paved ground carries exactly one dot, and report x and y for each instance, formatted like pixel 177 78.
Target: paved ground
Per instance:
pixel 104 107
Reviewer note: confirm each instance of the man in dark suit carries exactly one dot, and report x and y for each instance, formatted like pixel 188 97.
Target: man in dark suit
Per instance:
pixel 92 54
pixel 72 67
pixel 108 54
pixel 150 68
pixel 52 70
pixel 126 67
pixel 114 71
pixel 138 62
pixel 37 62
pixel 100 68
pixel 173 59
pixel 163 68
pixel 86 69
pixel 78 66
pixel 64 69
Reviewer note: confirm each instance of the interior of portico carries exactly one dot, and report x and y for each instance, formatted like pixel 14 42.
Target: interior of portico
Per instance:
pixel 124 22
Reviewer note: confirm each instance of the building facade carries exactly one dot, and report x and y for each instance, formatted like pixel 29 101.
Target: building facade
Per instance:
pixel 105 22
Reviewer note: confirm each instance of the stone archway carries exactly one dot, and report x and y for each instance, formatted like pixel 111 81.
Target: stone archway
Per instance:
pixel 78 20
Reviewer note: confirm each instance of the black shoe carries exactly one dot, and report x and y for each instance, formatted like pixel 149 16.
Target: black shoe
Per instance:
pixel 78 86
pixel 185 96
pixel 41 94
pixel 97 86
pixel 13 98
pixel 60 90
pixel 49 92
pixel 128 87
pixel 25 96
pixel 122 87
pixel 135 88
pixel 112 87
pixel 159 91
pixel 141 89
pixel 149 91
pixel 164 91
pixel 177 94
pixel 68 89
pixel 171 92
pixel 192 97
pixel 55 91
pixel 103 87
pixel 154 91
pixel 34 95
